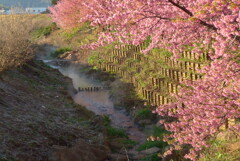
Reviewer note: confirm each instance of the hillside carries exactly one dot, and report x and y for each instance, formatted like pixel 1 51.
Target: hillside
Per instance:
pixel 37 115
pixel 25 3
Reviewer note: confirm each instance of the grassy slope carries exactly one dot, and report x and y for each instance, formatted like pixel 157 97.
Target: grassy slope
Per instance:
pixel 37 114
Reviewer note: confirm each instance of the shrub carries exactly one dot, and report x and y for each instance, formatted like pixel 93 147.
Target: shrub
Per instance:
pixel 15 45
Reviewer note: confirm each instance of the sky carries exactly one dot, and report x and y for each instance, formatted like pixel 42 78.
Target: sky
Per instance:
pixel 25 3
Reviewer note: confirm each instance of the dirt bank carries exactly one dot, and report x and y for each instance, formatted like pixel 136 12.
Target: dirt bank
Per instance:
pixel 39 121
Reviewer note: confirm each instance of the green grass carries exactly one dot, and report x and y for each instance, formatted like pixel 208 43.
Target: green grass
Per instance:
pixel 130 142
pixel 148 41
pixel 94 58
pixel 144 114
pixel 106 121
pixel 149 144
pixel 69 34
pixel 116 132
pixel 76 31
pixel 60 51
pixel 221 150
pixel 43 31
pixel 112 131
pixel 157 132
pixel 162 52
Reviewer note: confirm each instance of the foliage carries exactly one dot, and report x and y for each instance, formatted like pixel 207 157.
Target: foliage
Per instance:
pixel 144 114
pixel 68 13
pixel 155 140
pixel 222 150
pixel 106 120
pixel 60 51
pixel 94 58
pixel 116 132
pixel 69 34
pixel 129 142
pixel 149 144
pixel 159 132
pixel 170 25
pixel 42 31
pixel 210 102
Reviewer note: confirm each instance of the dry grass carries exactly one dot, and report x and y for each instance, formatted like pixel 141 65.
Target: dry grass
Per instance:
pixel 15 39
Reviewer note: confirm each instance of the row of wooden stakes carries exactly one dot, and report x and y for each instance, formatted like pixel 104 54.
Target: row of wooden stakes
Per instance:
pixel 182 65
pixel 159 89
pixel 173 74
pixel 89 89
pixel 194 56
pixel 152 96
pixel 186 54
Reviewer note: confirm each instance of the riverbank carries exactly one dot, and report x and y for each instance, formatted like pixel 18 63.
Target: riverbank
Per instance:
pixel 39 121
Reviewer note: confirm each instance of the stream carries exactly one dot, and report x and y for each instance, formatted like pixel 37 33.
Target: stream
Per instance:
pixel 97 101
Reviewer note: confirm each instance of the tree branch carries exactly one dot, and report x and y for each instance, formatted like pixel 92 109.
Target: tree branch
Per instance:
pixel 191 14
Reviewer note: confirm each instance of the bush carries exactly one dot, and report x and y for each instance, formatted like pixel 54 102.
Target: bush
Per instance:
pixel 15 45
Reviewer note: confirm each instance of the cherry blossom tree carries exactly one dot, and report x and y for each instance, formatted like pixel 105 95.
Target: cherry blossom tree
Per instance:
pixel 204 107
pixel 67 13
pixel 170 24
